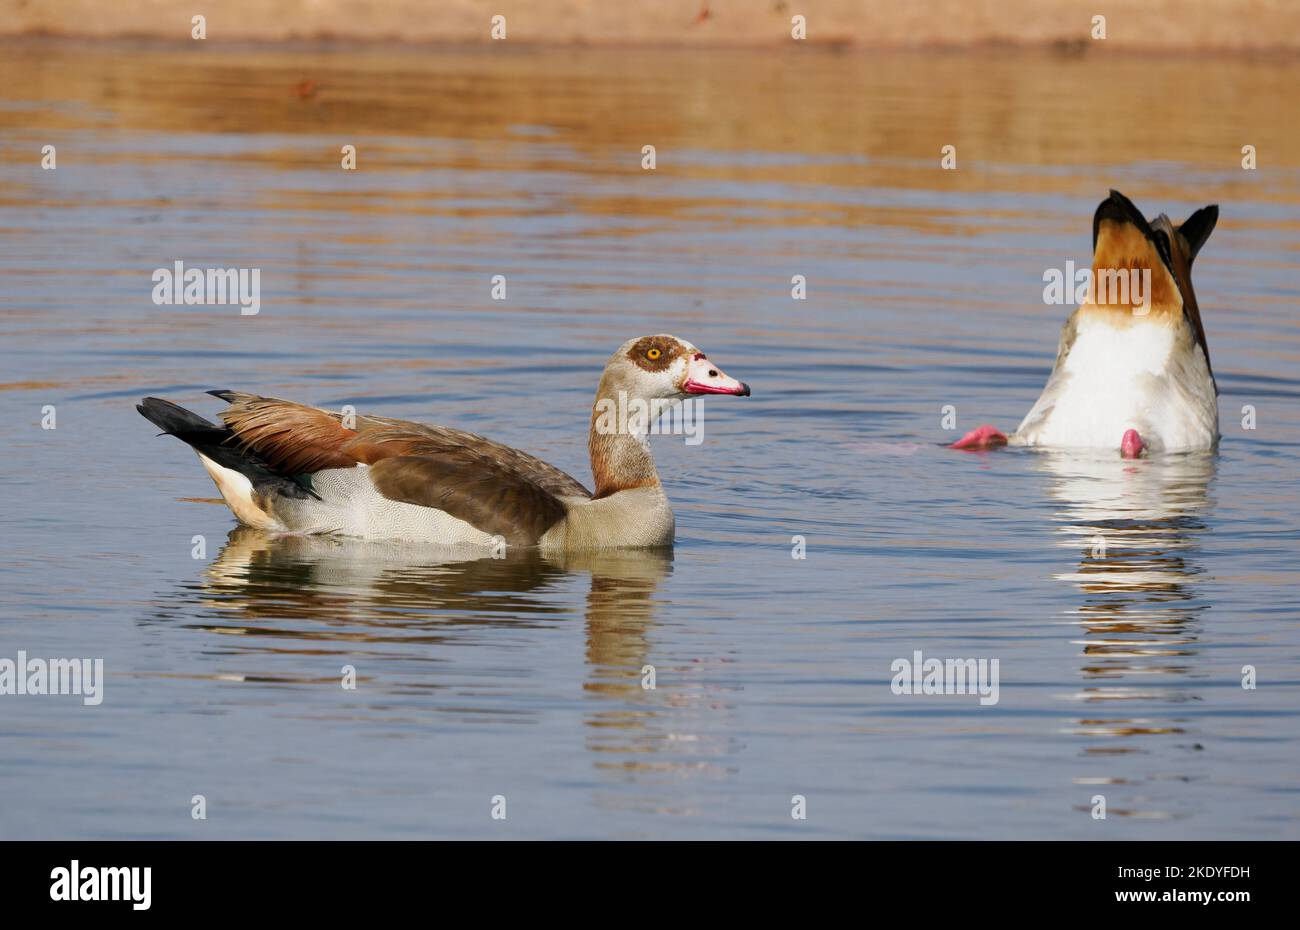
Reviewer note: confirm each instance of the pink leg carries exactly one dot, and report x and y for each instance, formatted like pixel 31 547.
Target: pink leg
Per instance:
pixel 983 437
pixel 1131 446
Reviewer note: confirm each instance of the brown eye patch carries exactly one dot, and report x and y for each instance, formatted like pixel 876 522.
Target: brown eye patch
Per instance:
pixel 654 353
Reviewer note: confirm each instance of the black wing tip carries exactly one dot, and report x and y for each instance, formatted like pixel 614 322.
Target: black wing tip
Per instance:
pixel 159 412
pixel 150 413
pixel 171 418
pixel 1208 215
pixel 150 405
pixel 1196 229
pixel 224 394
pixel 1118 208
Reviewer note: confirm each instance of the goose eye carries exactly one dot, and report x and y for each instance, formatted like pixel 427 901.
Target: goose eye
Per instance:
pixel 653 354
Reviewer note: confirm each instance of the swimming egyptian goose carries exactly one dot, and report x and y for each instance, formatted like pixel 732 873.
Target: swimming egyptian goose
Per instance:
pixel 286 467
pixel 1130 375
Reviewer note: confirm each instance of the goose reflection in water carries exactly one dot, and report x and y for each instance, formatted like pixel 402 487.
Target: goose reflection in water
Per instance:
pixel 380 605
pixel 381 591
pixel 1140 615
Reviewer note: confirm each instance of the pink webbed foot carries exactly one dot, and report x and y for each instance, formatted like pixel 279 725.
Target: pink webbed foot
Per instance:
pixel 982 437
pixel 1131 446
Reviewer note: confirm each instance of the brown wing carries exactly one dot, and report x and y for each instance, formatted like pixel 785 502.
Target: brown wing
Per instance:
pixel 479 491
pixel 376 434
pixel 1186 241
pixel 495 488
pixel 292 438
pixel 1181 266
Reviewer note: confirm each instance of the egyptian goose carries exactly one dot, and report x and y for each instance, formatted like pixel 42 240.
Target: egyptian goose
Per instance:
pixel 290 468
pixel 1129 375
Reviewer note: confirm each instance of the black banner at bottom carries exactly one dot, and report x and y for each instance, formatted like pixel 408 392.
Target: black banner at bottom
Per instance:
pixel 336 879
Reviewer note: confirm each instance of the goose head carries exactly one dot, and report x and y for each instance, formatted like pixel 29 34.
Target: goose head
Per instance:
pixel 664 367
pixel 643 379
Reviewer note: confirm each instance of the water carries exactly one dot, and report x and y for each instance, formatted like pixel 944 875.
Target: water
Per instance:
pixel 1120 674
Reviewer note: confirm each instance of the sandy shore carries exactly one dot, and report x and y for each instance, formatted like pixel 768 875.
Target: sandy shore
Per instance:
pixel 1202 25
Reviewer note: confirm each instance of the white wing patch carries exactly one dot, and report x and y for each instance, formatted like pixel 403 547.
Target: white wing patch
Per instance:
pixel 350 505
pixel 238 493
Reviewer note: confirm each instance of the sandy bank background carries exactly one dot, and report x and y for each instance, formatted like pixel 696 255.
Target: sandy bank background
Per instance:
pixel 1208 25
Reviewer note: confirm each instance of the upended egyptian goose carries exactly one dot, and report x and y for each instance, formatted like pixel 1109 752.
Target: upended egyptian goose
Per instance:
pixel 287 467
pixel 1129 375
